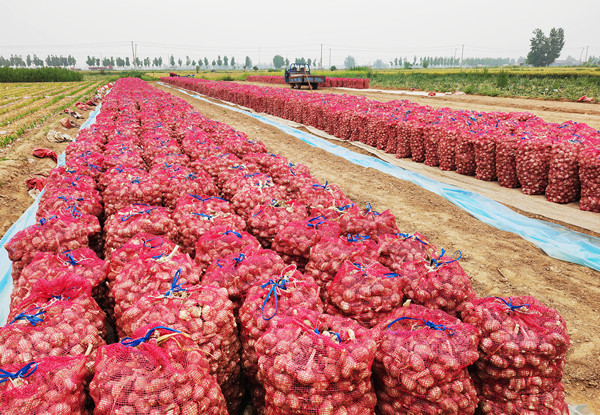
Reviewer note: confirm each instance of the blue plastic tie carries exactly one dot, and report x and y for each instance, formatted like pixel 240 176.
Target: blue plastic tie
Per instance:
pixel 175 286
pixel 230 232
pixel 369 209
pixel 136 180
pixel 203 215
pixel 429 324
pixel 70 258
pixel 510 305
pixel 281 284
pixel 34 319
pixel 24 372
pixel 191 176
pixel 336 335
pixel 129 342
pixel 321 186
pixel 238 260
pixel 319 221
pixel 437 263
pixel 391 275
pixel 357 238
pixel 148 245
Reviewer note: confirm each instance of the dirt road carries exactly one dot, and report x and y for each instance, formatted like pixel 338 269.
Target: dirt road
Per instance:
pixel 499 263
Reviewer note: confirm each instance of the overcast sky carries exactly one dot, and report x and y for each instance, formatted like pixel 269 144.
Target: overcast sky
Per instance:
pixel 367 30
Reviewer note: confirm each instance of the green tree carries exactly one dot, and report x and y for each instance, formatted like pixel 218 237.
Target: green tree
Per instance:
pixel 206 62
pixel 180 62
pixel 278 61
pixel 90 61
pixel 219 60
pixel 187 61
pixel 544 50
pixel 287 62
pixel 232 63
pixel 127 63
pixel 248 63
pixel 28 60
pixel 225 61
pixel 309 62
pixel 214 63
pixel 349 62
pixel 172 60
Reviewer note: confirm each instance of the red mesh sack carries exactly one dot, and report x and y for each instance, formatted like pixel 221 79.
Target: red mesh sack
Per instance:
pixel 506 162
pixel 563 173
pixel 293 183
pixel 235 171
pixel 316 364
pixel 255 194
pixel 589 174
pixel 548 403
pixel 72 181
pixel 173 185
pixel 322 195
pixel 421 363
pixel 193 224
pixel 131 157
pixel 141 245
pixel 129 189
pixel 464 155
pixel 170 158
pixel 64 177
pixel 59 319
pixel 282 173
pixel 398 248
pixel 130 220
pixel 119 174
pixel 296 239
pixel 369 222
pixel 89 164
pixel 56 233
pixel 149 274
pixel 270 297
pixel 86 201
pixel 446 149
pixel 221 241
pixel 238 272
pixel 328 255
pixel 438 284
pixel 484 146
pixel 265 161
pixel 266 220
pixel 144 376
pixel 82 262
pixel 522 355
pixel 206 314
pixel 365 293
pixel 243 145
pixel 335 212
pixel 215 164
pixel 533 164
pixel 201 203
pixel 50 385
pixel 236 182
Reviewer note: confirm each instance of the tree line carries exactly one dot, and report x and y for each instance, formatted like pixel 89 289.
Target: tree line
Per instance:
pixel 17 61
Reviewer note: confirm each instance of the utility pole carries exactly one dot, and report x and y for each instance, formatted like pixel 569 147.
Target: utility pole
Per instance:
pixel 321 62
pixel 133 53
pixel 581 54
pixel 587 49
pixel 330 57
pixel 454 59
pixel 462 54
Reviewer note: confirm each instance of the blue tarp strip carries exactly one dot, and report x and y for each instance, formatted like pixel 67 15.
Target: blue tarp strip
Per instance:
pixel 27 219
pixel 555 240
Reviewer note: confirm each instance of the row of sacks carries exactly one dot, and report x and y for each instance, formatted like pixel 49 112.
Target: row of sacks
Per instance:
pixel 517 149
pixel 356 83
pixel 280 276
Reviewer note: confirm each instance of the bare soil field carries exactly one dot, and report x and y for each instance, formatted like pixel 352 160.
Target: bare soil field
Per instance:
pixel 499 263
pixel 17 164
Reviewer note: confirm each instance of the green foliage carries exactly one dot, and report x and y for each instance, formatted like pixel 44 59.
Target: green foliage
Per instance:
pixel 349 62
pixel 333 68
pixel 39 75
pixel 255 68
pixel 545 49
pixel 226 78
pixel 248 63
pixel 502 79
pixel 278 61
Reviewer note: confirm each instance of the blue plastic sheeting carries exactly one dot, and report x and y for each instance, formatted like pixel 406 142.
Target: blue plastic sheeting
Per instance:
pixel 555 240
pixel 27 219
